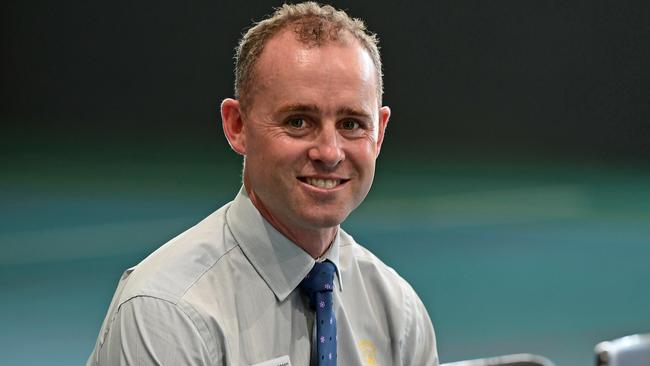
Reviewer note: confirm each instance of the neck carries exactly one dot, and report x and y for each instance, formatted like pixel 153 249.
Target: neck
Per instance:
pixel 314 241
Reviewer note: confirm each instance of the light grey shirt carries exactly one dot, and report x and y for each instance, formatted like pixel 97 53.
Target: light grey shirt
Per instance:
pixel 225 292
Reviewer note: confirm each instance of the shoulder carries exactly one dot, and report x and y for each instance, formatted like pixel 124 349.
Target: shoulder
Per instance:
pixel 148 330
pixel 172 269
pixel 148 306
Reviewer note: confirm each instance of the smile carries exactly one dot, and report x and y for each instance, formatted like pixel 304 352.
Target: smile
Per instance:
pixel 322 183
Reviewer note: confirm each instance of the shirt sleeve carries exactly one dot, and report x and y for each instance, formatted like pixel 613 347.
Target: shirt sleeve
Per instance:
pixel 151 331
pixel 419 341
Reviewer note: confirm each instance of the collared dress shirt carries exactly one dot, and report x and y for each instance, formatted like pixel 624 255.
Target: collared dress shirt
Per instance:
pixel 225 292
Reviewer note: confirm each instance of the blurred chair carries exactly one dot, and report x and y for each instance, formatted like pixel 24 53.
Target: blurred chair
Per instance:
pixel 520 359
pixel 633 350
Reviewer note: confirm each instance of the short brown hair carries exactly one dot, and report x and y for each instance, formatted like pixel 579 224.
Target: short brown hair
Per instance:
pixel 315 25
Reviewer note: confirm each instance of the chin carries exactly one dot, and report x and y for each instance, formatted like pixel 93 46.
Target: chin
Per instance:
pixel 324 221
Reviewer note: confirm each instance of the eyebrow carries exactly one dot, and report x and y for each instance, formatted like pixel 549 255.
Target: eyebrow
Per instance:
pixel 299 108
pixel 353 112
pixel 312 108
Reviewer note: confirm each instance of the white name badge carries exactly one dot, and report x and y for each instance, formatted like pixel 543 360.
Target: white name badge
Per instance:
pixel 280 361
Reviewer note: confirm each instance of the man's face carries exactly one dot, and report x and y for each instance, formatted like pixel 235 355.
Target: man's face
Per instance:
pixel 312 131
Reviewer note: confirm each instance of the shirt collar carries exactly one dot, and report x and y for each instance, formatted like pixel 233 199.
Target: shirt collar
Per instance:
pixel 279 261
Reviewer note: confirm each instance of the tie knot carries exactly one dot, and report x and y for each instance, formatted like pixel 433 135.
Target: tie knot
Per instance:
pixel 319 279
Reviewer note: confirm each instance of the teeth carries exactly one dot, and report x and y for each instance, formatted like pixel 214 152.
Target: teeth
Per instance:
pixel 323 183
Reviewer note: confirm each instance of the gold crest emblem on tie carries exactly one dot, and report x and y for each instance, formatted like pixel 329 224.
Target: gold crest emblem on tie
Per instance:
pixel 368 352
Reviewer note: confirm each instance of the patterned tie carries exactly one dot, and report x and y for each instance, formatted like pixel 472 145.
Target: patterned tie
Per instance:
pixel 318 286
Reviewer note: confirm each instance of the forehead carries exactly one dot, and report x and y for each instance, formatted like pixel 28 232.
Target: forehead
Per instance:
pixel 285 57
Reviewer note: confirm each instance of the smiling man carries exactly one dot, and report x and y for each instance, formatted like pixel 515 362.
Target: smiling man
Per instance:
pixel 271 278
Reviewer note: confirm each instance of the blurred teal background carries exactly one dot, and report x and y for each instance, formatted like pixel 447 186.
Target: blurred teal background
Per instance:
pixel 508 256
pixel 513 190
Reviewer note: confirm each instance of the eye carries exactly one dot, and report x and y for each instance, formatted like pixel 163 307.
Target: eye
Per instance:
pixel 296 122
pixel 350 124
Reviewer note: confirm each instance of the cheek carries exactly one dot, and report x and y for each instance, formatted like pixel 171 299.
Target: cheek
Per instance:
pixel 290 149
pixel 362 157
pixel 367 149
pixel 279 158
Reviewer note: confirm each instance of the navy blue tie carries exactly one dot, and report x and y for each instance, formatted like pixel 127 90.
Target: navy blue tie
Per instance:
pixel 318 286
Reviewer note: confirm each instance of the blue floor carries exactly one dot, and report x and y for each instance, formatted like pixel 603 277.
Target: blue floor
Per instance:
pixel 508 258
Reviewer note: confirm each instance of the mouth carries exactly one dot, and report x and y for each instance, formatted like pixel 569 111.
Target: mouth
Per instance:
pixel 323 183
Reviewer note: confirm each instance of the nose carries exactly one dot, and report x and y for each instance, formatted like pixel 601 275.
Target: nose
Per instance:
pixel 327 149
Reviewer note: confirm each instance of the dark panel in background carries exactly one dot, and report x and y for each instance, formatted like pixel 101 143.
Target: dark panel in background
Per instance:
pixel 502 77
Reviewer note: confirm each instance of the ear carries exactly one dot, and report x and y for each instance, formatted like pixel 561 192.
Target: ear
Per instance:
pixel 233 125
pixel 384 116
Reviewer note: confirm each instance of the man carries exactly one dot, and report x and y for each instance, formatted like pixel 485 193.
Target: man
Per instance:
pixel 270 278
